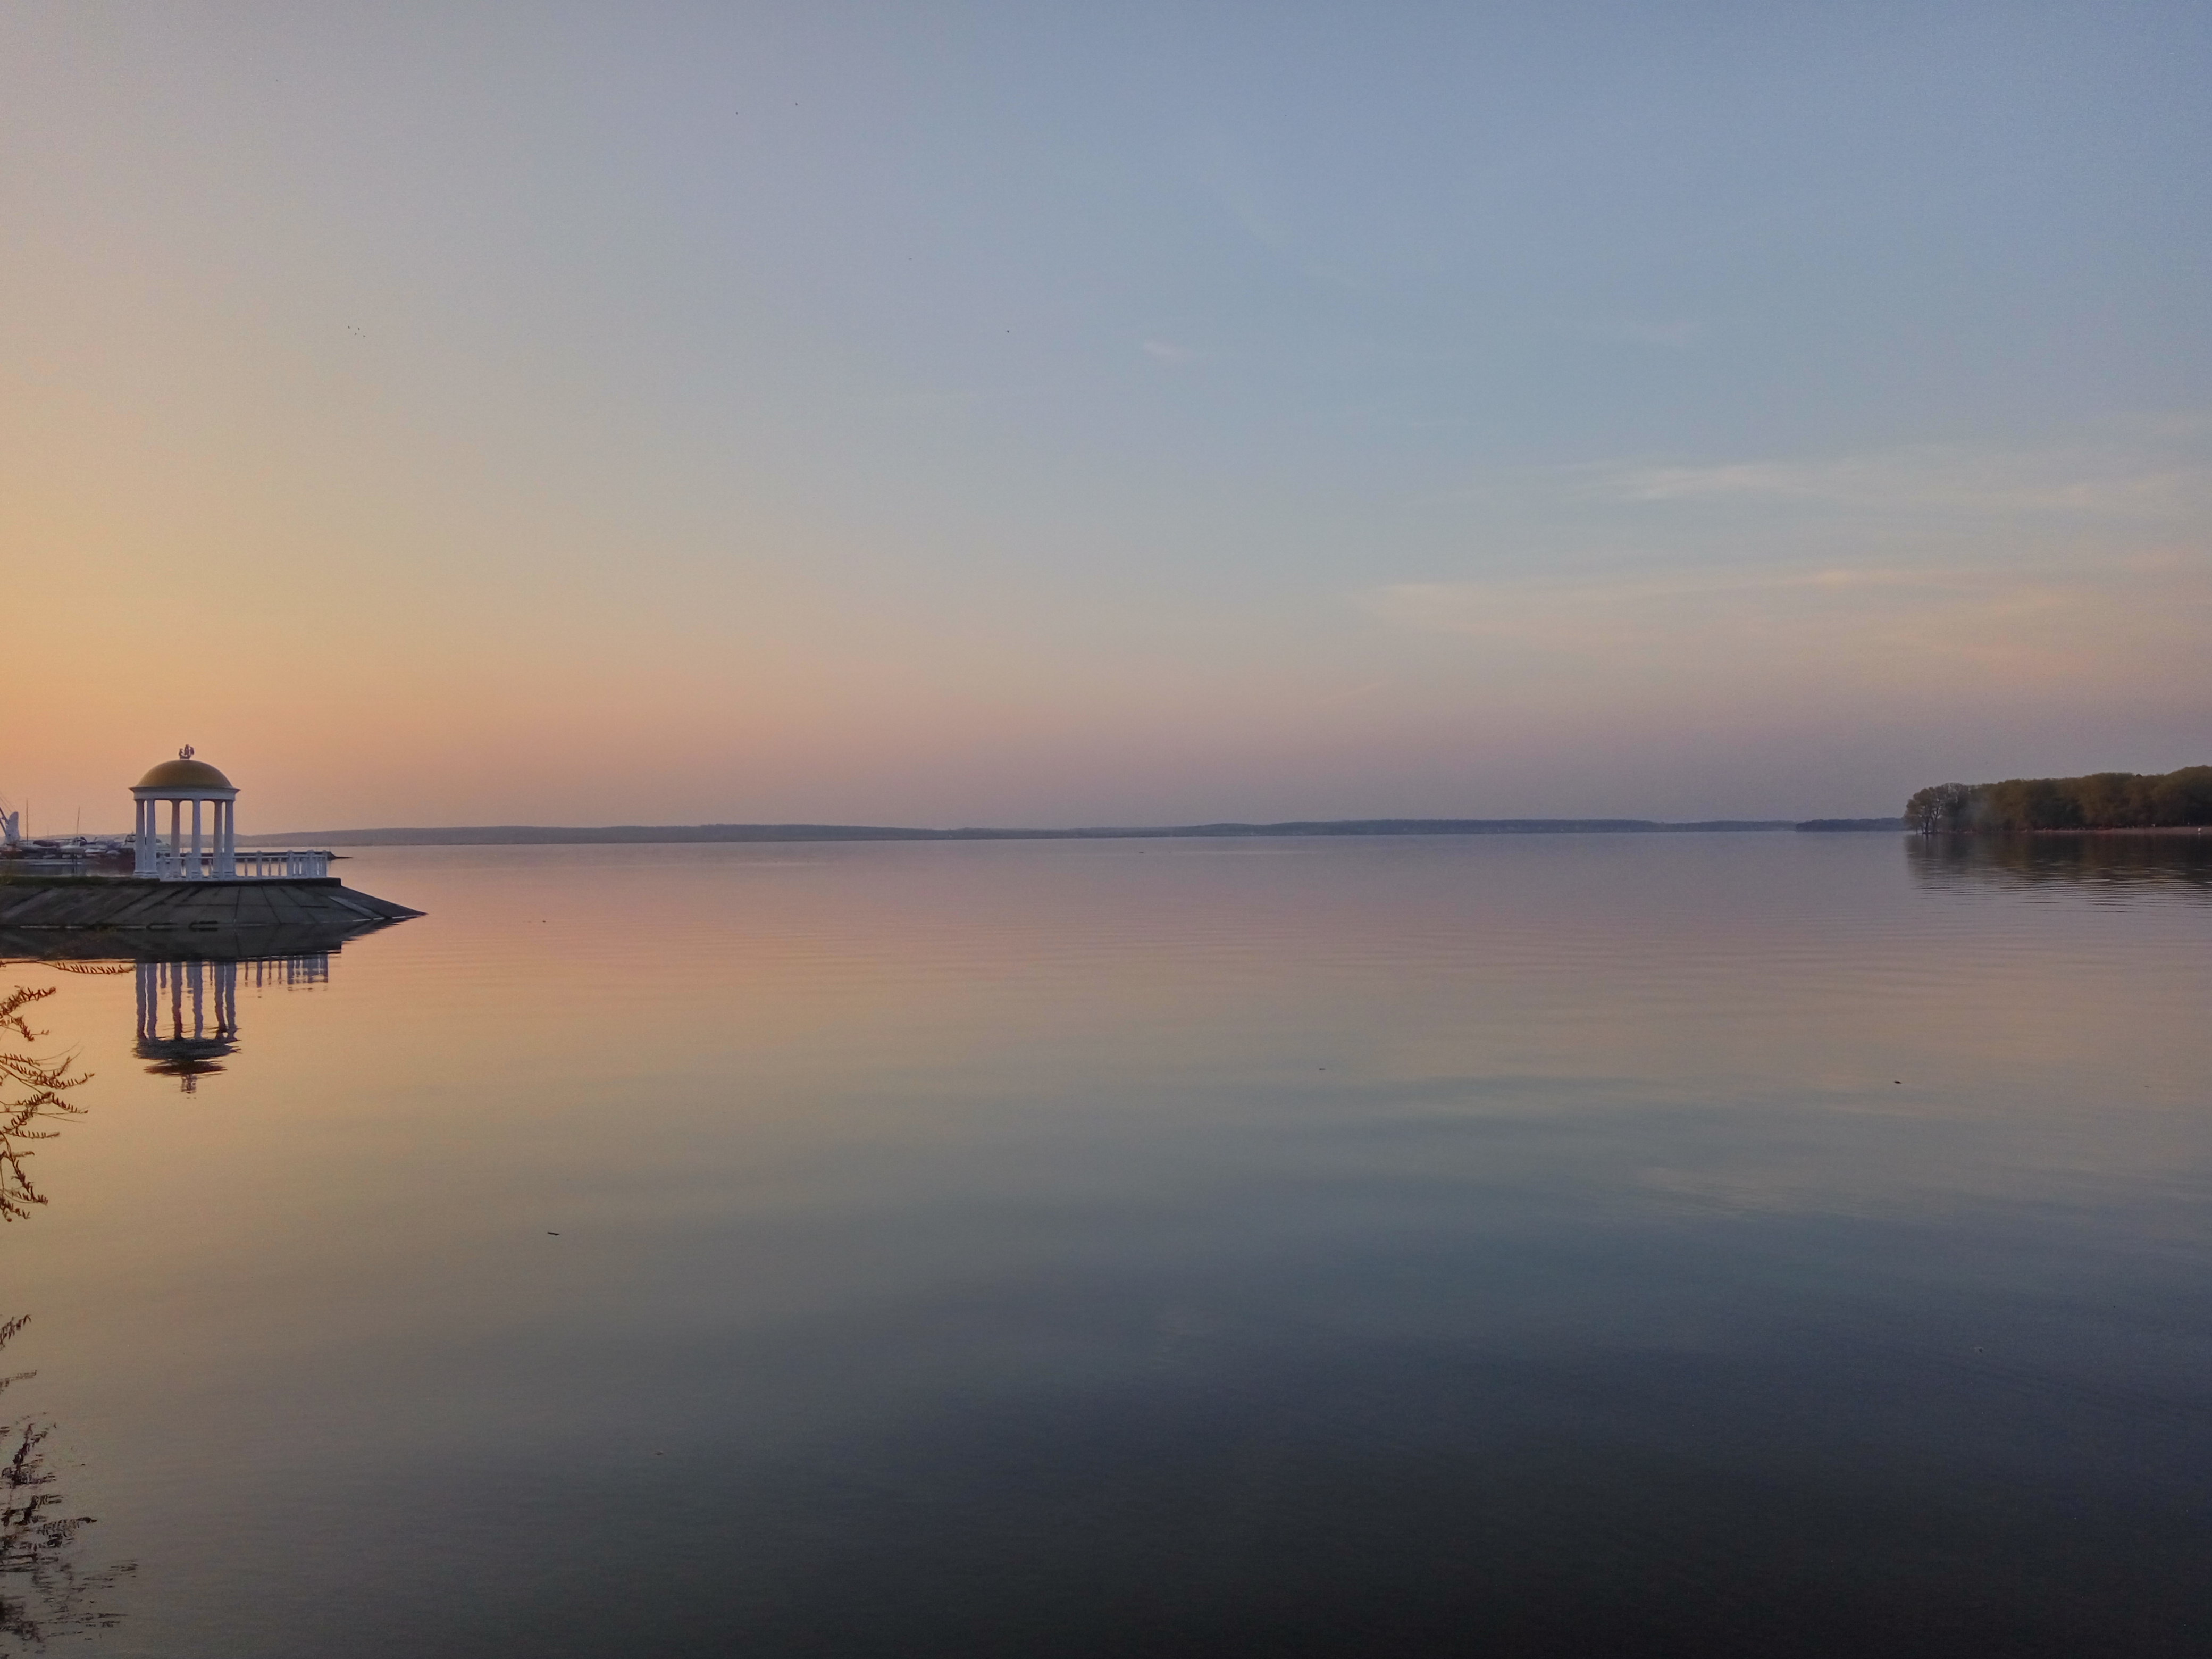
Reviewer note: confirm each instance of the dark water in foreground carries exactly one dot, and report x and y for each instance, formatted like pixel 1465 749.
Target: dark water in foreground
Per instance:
pixel 1731 1244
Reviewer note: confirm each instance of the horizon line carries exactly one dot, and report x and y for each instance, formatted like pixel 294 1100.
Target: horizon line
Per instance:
pixel 528 834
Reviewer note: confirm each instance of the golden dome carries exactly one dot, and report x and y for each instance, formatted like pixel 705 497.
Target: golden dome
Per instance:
pixel 184 773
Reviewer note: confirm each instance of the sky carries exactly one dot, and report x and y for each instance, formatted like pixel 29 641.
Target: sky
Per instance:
pixel 1064 415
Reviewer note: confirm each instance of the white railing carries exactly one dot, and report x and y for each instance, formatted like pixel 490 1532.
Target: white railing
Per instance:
pixel 277 866
pixel 171 865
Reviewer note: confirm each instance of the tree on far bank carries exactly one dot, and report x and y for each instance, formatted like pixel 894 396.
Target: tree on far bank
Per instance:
pixel 2101 801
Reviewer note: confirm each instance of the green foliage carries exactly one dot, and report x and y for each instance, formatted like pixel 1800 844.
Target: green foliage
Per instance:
pixel 2103 800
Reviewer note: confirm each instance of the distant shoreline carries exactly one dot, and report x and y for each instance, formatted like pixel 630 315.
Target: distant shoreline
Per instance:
pixel 526 835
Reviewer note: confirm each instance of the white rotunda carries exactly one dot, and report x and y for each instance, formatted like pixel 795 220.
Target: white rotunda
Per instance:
pixel 162 851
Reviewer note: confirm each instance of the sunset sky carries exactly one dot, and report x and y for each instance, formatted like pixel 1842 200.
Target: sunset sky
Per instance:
pixel 1074 415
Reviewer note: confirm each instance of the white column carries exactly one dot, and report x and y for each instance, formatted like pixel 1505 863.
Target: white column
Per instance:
pixel 197 870
pixel 176 838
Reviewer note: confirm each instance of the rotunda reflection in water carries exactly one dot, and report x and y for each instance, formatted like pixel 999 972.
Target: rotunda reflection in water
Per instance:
pixel 188 1008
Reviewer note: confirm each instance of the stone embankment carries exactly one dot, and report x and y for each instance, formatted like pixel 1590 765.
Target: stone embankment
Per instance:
pixel 134 912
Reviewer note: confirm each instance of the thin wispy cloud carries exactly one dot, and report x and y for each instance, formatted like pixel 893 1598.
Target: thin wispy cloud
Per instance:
pixel 2109 621
pixel 1936 478
pixel 2154 475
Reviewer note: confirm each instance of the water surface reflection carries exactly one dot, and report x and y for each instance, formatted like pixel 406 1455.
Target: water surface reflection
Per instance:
pixel 45 1592
pixel 1736 1245
pixel 186 1024
pixel 188 1009
pixel 2112 862
pixel 45 1595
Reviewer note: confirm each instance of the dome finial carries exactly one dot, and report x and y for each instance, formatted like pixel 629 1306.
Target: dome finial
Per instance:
pixel 186 753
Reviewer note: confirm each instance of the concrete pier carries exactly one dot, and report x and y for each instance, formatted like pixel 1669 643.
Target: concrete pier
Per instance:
pixel 135 912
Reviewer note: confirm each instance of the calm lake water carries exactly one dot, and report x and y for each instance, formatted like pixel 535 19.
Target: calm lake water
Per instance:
pixel 1580 1245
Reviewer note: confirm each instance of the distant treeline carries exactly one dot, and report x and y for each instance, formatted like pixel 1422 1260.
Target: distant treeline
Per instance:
pixel 540 834
pixel 2103 800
